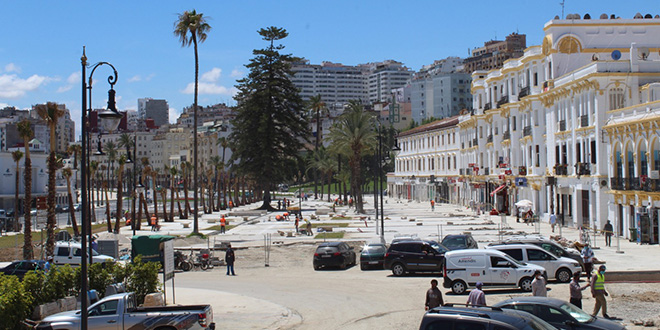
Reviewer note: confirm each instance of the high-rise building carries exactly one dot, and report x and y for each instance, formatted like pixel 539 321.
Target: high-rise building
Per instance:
pixel 383 77
pixel 158 110
pixel 494 52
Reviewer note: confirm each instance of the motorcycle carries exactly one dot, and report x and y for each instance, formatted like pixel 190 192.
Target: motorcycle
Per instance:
pixel 181 262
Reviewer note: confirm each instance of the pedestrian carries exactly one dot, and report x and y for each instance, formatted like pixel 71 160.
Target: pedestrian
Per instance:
pixel 152 222
pixel 49 264
pixel 279 204
pixel 553 221
pixel 598 291
pixel 433 296
pixel 308 227
pixel 588 259
pixel 517 214
pixel 231 205
pixel 288 203
pixel 576 290
pixel 223 223
pixel 229 259
pixel 477 297
pixel 609 230
pixel 432 205
pixel 538 285
pixel 297 222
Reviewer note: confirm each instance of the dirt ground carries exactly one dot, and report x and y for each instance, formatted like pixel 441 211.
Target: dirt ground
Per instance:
pixel 355 299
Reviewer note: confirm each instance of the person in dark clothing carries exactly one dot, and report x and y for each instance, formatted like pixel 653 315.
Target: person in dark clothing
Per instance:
pixel 433 296
pixel 229 259
pixel 609 230
pixel 576 290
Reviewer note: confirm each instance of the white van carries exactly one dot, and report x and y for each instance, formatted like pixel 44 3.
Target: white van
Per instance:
pixel 69 253
pixel 559 268
pixel 464 268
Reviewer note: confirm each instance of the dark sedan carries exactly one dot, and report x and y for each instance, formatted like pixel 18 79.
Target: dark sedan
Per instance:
pixel 373 256
pixel 459 242
pixel 21 267
pixel 334 254
pixel 559 313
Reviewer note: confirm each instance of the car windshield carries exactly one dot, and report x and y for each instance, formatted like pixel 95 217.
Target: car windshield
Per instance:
pixel 373 249
pixel 536 323
pixel 576 313
pixel 438 247
pixel 454 241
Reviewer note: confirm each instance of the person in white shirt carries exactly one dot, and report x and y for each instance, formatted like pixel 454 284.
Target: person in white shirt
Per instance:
pixel 538 285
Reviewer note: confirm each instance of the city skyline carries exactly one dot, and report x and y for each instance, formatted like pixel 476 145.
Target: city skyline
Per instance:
pixel 40 62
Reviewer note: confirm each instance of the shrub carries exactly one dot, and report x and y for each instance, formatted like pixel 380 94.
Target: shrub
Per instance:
pixel 142 278
pixel 15 302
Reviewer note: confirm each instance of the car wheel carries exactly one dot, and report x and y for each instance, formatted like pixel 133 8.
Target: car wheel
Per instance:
pixel 563 275
pixel 363 266
pixel 398 269
pixel 526 284
pixel 458 287
pixel 317 267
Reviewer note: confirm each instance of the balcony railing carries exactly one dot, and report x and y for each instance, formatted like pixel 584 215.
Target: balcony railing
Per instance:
pixel 527 131
pixel 561 169
pixel 487 171
pixel 584 121
pixel 562 125
pixel 583 168
pixel 504 100
pixel 633 184
pixel 489 139
pixel 650 185
pixel 523 92
pixel 487 106
pixel 616 183
pixel 506 135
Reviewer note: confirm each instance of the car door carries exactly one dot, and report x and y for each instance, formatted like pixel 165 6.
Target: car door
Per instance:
pixel 555 317
pixel 502 271
pixel 544 259
pixel 62 255
pixel 430 260
pixel 104 316
pixel 413 256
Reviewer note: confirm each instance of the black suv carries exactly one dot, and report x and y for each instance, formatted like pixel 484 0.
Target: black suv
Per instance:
pixel 480 318
pixel 334 254
pixel 460 242
pixel 415 256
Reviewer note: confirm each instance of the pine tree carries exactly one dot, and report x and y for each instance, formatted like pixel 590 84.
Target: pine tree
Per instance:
pixel 270 125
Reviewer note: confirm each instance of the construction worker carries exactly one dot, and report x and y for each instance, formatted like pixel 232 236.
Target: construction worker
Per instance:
pixel 598 291
pixel 223 223
pixel 154 222
pixel 297 222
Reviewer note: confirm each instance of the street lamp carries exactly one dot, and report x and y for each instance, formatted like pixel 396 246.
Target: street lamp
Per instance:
pixel 110 119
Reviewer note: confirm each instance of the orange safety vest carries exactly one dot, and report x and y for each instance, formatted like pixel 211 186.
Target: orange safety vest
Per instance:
pixel 153 220
pixel 223 221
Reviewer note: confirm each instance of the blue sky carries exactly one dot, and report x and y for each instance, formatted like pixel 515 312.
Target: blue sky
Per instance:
pixel 41 41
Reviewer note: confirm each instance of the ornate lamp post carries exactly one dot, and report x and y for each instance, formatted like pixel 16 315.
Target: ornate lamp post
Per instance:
pixel 110 119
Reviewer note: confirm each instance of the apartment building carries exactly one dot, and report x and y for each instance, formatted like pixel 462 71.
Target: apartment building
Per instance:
pixel 494 52
pixel 158 110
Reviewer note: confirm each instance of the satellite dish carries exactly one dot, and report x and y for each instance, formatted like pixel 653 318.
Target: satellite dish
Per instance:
pixel 643 53
pixel 616 55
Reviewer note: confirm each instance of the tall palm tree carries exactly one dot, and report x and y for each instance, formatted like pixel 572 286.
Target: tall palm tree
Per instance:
pixel 51 114
pixel 185 173
pixel 154 173
pixel 75 150
pixel 190 22
pixel 93 171
pixel 216 163
pixel 67 173
pixel 125 141
pixel 174 172
pixel 110 149
pixel 353 136
pixel 16 156
pixel 25 131
pixel 120 192
pixel 324 164
pixel 315 104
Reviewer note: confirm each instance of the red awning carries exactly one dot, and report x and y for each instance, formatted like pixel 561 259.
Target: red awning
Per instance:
pixel 497 190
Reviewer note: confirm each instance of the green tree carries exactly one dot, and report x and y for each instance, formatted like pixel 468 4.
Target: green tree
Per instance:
pixel 353 135
pixel 322 163
pixel 75 150
pixel 25 132
pixel 67 173
pixel 316 106
pixel 193 24
pixel 16 156
pixel 270 123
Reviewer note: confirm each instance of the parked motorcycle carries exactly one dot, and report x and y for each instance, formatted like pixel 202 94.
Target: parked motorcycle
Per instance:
pixel 181 262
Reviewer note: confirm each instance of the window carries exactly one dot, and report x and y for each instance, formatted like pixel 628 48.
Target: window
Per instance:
pixel 440 325
pixel 77 252
pixel 462 325
pixel 550 314
pixel 526 308
pixel 63 252
pixel 106 308
pixel 617 98
pixel 514 253
pixel 499 262
pixel 538 255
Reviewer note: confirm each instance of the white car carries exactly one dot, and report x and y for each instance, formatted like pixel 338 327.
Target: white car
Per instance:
pixel 464 268
pixel 558 268
pixel 70 252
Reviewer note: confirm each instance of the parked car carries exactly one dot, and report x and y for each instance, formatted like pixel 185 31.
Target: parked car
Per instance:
pixel 59 208
pixel 21 267
pixel 76 207
pixel 120 311
pixel 373 256
pixel 402 238
pixel 548 245
pixel 459 242
pixel 413 256
pixel 70 253
pixel 558 268
pixel 464 268
pixel 33 212
pixel 334 254
pixel 558 313
pixel 480 318
pixel 10 213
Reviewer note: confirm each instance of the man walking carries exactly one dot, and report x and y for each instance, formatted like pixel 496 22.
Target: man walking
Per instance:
pixel 538 285
pixel 553 221
pixel 432 205
pixel 598 291
pixel 297 222
pixel 229 259
pixel 477 297
pixel 588 258
pixel 609 230
pixel 223 223
pixel 433 296
pixel 576 290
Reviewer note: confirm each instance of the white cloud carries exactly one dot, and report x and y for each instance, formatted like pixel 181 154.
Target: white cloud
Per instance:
pixel 74 78
pixel 236 73
pixel 212 76
pixel 11 67
pixel 174 114
pixel 135 78
pixel 210 88
pixel 3 105
pixel 63 89
pixel 149 77
pixel 13 87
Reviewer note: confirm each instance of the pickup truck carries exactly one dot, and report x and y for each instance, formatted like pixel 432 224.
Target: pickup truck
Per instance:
pixel 119 312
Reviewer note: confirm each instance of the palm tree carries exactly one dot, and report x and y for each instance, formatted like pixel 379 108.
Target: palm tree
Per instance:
pixel 107 205
pixel 174 172
pixel 16 156
pixel 155 172
pixel 110 149
pixel 51 114
pixel 93 171
pixel 316 105
pixel 185 173
pixel 67 173
pixel 216 163
pixel 324 164
pixel 120 192
pixel 195 24
pixel 353 136
pixel 75 150
pixel 25 131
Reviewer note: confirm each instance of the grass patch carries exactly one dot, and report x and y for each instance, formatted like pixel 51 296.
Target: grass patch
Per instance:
pixel 10 241
pixel 217 227
pixel 342 218
pixel 200 235
pixel 328 224
pixel 330 235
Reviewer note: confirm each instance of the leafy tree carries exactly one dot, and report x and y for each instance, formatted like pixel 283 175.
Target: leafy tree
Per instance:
pixel 16 156
pixel 190 22
pixel 270 125
pixel 25 131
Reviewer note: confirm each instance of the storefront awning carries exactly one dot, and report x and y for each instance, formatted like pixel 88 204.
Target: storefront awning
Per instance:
pixel 497 190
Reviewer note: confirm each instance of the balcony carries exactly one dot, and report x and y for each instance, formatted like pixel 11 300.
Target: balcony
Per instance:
pixel 523 92
pixel 584 121
pixel 583 168
pixel 527 131
pixel 489 139
pixel 561 169
pixel 616 183
pixel 487 106
pixel 487 171
pixel 562 125
pixel 504 100
pixel 651 185
pixel 506 135
pixel 475 142
pixel 633 184
pixel 522 171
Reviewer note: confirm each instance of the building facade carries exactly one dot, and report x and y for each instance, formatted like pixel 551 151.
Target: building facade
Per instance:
pixel 158 110
pixel 493 53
